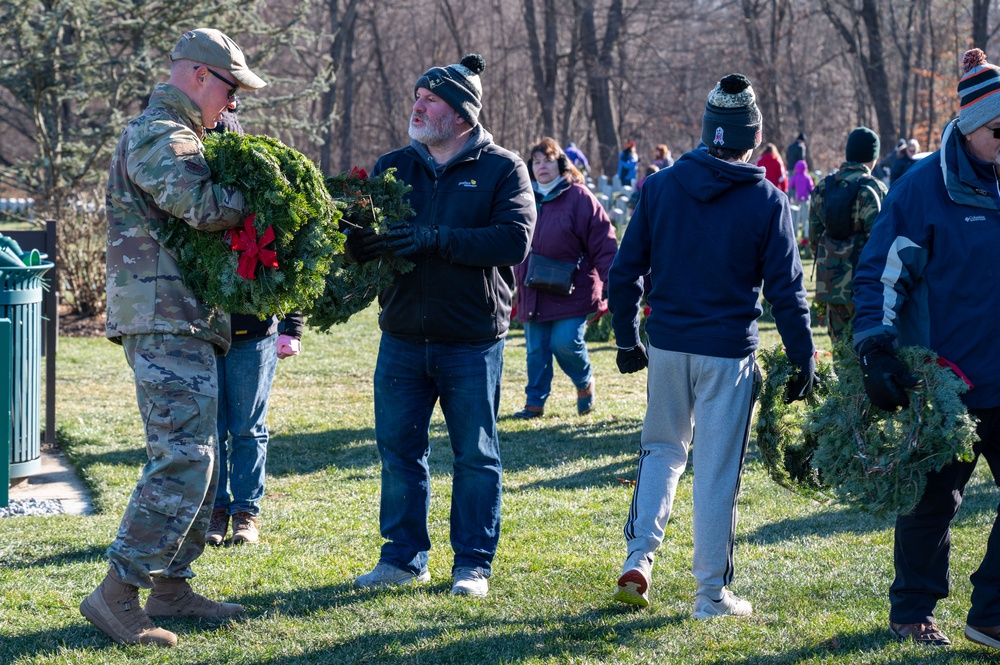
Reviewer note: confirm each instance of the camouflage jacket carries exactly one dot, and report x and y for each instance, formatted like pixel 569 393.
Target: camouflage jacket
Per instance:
pixel 159 171
pixel 836 260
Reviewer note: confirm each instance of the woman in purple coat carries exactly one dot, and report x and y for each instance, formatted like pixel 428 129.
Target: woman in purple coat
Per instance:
pixel 572 227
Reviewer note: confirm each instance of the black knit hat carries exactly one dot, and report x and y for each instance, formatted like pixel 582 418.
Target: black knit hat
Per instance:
pixel 862 146
pixel 732 119
pixel 458 85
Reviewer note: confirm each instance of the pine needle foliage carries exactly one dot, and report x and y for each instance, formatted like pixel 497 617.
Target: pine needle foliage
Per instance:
pixel 364 201
pixel 878 461
pixel 285 190
pixel 785 442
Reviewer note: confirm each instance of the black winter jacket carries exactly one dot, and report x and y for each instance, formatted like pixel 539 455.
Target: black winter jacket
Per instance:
pixel 482 203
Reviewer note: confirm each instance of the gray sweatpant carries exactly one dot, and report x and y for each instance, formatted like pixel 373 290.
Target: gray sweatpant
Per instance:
pixel 717 395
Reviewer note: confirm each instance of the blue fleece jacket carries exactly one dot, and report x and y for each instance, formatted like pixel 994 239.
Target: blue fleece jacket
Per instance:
pixel 928 274
pixel 709 234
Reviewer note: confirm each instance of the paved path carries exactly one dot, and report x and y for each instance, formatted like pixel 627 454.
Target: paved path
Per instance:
pixel 57 480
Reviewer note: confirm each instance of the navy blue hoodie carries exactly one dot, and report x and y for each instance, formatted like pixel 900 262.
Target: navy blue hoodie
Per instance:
pixel 709 234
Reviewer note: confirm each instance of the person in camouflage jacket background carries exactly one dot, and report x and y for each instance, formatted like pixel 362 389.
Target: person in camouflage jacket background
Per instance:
pixel 839 226
pixel 171 339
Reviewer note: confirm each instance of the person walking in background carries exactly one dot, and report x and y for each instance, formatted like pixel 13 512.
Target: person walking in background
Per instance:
pixel 797 151
pixel 572 227
pixel 843 211
pixel 245 376
pixel 661 156
pixel 170 337
pixel 927 278
pixel 905 160
pixel 443 326
pixel 884 169
pixel 577 158
pixel 773 167
pixel 628 163
pixel 710 232
pixel 801 186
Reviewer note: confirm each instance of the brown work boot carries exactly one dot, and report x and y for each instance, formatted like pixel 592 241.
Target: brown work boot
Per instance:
pixel 217 528
pixel 924 634
pixel 114 608
pixel 245 528
pixel 174 597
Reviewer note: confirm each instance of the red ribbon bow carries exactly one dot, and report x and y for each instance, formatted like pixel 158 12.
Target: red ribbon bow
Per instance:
pixel 245 240
pixel 358 173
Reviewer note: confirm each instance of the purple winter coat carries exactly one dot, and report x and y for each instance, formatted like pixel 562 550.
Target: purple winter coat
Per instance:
pixel 570 224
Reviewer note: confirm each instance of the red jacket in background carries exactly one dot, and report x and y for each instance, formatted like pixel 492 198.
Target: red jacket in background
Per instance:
pixel 775 168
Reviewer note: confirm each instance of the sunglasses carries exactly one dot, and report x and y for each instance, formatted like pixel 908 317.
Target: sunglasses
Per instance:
pixel 233 87
pixel 996 132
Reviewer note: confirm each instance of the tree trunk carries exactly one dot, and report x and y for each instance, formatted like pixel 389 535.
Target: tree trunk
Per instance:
pixel 598 66
pixel 543 63
pixel 980 23
pixel 347 103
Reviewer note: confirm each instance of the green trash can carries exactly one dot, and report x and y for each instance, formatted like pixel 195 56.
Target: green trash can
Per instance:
pixel 21 302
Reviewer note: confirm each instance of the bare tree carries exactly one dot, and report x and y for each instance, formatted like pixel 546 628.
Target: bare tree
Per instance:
pixel 544 59
pixel 598 65
pixel 859 25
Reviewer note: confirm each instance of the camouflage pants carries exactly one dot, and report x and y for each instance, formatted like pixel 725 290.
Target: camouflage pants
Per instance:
pixel 163 529
pixel 838 319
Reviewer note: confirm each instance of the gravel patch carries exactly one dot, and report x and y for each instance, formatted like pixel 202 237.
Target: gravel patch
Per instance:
pixel 32 507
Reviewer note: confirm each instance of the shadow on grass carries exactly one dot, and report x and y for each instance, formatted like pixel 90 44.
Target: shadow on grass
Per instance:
pixel 980 499
pixel 93 554
pixel 856 646
pixel 563 638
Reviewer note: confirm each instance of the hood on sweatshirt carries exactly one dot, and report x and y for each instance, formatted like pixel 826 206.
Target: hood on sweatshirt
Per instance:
pixel 800 167
pixel 705 177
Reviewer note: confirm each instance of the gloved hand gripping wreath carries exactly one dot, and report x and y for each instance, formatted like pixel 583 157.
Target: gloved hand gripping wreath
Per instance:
pixel 840 445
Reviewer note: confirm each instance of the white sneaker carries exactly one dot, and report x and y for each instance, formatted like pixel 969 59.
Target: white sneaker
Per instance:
pixel 730 603
pixel 470 582
pixel 388 575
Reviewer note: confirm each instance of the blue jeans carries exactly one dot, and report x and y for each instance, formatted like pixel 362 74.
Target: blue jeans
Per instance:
pixel 410 378
pixel 564 340
pixel 245 375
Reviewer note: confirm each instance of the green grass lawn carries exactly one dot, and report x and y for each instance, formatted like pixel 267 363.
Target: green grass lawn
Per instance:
pixel 817 576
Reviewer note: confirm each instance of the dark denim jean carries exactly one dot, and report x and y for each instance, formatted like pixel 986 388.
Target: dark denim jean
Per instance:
pixel 562 339
pixel 409 379
pixel 245 375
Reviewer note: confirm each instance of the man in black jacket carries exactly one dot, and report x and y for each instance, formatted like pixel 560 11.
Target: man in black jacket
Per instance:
pixel 444 324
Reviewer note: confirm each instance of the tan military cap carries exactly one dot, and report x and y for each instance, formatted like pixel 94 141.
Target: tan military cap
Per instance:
pixel 210 47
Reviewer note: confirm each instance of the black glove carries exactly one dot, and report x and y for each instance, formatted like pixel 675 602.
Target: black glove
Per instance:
pixel 885 377
pixel 632 360
pixel 407 239
pixel 363 245
pixel 801 385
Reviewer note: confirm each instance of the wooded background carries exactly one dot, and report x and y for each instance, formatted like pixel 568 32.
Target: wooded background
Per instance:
pixel 598 72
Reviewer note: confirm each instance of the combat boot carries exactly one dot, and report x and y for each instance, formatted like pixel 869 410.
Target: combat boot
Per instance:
pixel 174 597
pixel 114 608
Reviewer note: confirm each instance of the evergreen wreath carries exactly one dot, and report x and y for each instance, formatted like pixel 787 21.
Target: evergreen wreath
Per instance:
pixel 364 201
pixel 878 461
pixel 785 442
pixel 285 192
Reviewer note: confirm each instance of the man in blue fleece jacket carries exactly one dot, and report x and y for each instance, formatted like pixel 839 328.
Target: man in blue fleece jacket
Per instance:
pixel 707 233
pixel 927 277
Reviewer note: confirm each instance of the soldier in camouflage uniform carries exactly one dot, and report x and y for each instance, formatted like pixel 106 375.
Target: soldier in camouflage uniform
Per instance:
pixel 837 253
pixel 170 338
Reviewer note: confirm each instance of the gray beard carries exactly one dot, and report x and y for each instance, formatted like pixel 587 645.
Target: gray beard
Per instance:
pixel 428 135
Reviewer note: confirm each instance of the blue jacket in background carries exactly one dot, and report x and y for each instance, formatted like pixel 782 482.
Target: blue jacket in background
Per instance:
pixel 928 275
pixel 709 234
